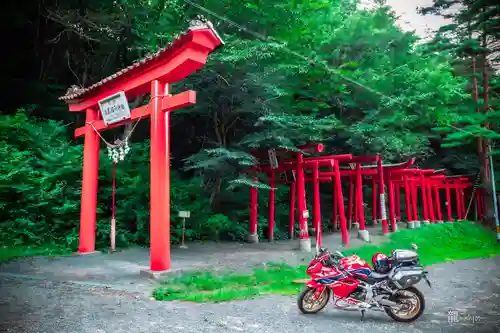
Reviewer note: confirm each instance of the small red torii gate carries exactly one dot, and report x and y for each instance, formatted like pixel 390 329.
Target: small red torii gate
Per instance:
pixel 184 55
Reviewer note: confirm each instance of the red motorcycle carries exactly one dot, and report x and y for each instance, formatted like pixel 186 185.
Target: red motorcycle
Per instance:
pixel 354 285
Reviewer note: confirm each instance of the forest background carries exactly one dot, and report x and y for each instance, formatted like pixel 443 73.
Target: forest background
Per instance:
pixel 291 72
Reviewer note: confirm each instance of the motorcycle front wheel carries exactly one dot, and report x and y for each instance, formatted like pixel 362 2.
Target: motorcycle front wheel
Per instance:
pixel 308 305
pixel 411 305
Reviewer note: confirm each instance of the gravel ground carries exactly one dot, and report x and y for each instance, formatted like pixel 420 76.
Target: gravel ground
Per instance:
pixel 470 288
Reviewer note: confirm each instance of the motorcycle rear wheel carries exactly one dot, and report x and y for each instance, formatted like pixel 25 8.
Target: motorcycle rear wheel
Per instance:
pixel 414 312
pixel 306 297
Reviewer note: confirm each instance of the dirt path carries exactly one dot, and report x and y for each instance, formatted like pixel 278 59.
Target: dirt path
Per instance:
pixel 470 288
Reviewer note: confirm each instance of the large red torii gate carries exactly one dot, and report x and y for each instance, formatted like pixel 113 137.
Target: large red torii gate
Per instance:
pixel 154 74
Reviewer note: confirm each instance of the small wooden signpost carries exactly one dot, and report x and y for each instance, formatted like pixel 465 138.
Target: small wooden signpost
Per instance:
pixel 184 214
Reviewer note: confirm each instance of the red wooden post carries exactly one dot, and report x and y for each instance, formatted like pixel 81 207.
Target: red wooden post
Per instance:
pixel 112 235
pixel 448 203
pixel 160 180
pixel 359 198
pixel 340 203
pixel 253 237
pixel 335 207
pixel 379 212
pixel 409 217
pixel 414 199
pixel 430 202
pixel 462 202
pixel 438 203
pixel 272 184
pixel 374 201
pixel 383 213
pixel 316 204
pixel 89 185
pixel 301 197
pixel 291 224
pixel 425 208
pixel 355 202
pixel 397 189
pixel 349 202
pixel 392 217
pixel 459 205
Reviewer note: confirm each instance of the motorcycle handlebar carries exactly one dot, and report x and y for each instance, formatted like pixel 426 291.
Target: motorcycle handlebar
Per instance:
pixel 333 258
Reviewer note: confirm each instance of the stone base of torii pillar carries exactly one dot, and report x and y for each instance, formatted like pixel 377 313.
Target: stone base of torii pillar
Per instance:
pixel 305 245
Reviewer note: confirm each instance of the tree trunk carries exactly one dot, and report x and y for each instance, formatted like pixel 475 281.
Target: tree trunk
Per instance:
pixel 489 213
pixel 214 196
pixel 475 97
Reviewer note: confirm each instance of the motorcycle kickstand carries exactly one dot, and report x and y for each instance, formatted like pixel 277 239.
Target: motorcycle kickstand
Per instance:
pixel 362 314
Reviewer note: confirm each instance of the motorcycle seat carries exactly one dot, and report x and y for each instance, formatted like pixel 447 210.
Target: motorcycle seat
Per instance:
pixel 374 276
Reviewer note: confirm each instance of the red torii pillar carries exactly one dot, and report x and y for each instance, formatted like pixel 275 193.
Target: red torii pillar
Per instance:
pixel 408 203
pixel 425 208
pixel 392 215
pixel 305 242
pixel 437 200
pixel 383 211
pixel 462 201
pixel 272 184
pixel 253 236
pixel 335 207
pixel 414 199
pixel 340 202
pixel 180 59
pixel 374 201
pixel 362 233
pixel 316 205
pixel 430 201
pixel 397 197
pixel 448 202
pixel 350 199
pixel 291 223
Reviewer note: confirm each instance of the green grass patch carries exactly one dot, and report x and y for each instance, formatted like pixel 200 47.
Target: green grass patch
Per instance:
pixel 437 243
pixel 212 287
pixel 8 253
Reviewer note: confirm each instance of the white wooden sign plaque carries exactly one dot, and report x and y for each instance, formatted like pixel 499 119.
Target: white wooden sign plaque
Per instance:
pixel 184 214
pixel 114 108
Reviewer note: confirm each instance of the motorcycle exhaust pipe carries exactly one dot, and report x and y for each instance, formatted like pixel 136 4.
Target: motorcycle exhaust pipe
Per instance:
pixel 386 302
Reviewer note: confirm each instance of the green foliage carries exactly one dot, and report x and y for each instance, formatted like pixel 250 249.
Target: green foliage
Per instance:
pixel 324 71
pixel 437 243
pixel 39 200
pixel 8 253
pixel 41 188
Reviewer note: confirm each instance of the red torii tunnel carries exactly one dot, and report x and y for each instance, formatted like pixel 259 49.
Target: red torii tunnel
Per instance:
pixel 420 188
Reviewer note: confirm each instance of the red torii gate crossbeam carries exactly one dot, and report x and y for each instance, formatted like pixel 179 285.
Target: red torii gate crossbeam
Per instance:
pixel 154 74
